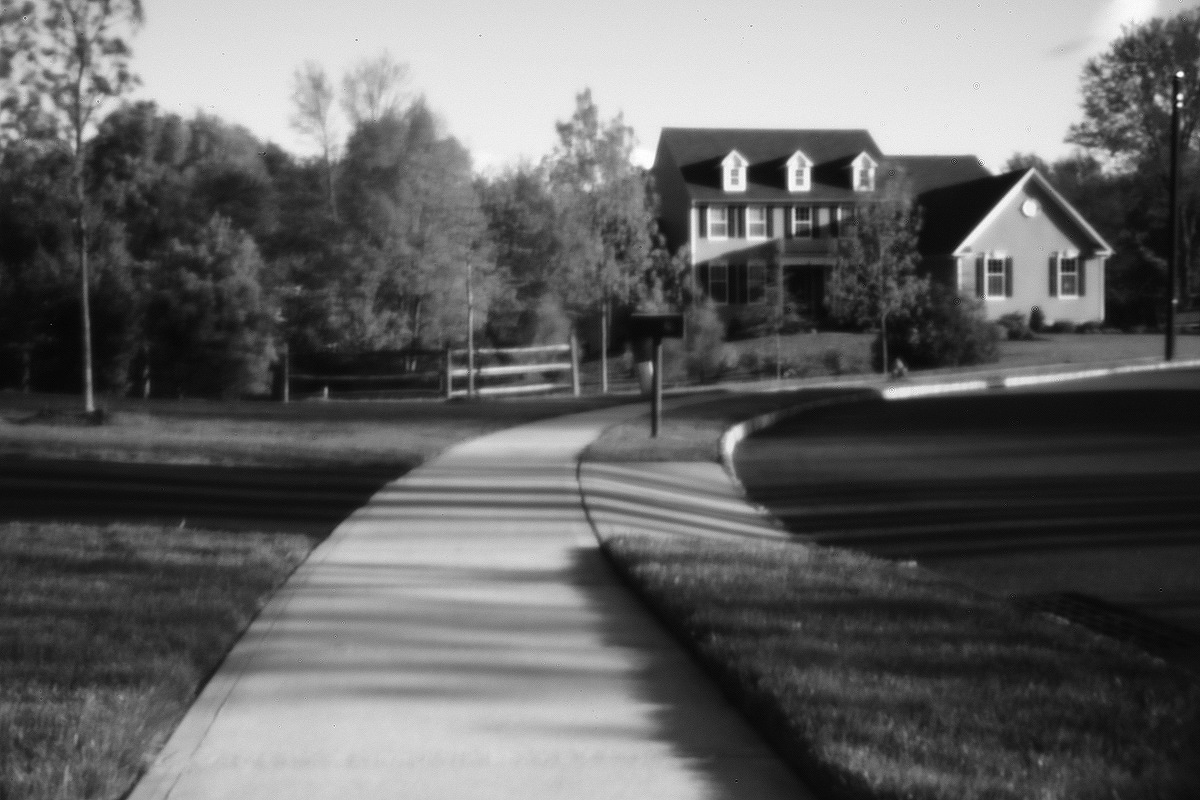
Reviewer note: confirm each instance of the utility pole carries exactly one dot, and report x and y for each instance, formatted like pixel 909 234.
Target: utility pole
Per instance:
pixel 1173 211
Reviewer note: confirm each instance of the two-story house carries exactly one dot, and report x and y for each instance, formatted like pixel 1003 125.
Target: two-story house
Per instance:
pixel 757 207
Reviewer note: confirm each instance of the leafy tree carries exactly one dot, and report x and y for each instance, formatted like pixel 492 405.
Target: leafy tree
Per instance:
pixel 522 225
pixel 79 62
pixel 605 218
pixel 209 318
pixel 410 203
pixel 874 277
pixel 1126 121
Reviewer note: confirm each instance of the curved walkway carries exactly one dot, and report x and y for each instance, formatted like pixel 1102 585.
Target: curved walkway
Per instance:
pixel 462 637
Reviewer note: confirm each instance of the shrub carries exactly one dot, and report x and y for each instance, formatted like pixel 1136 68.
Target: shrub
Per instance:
pixel 1037 319
pixel 1015 327
pixel 1091 326
pixel 1063 326
pixel 705 354
pixel 943 330
pixel 834 361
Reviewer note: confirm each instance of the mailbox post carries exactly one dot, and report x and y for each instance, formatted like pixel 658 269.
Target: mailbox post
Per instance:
pixel 655 328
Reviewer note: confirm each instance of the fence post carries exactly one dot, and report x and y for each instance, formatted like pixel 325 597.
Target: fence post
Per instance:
pixel 449 372
pixel 574 363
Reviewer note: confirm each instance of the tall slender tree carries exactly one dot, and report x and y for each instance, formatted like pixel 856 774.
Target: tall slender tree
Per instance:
pixel 374 89
pixel 606 218
pixel 80 62
pixel 312 95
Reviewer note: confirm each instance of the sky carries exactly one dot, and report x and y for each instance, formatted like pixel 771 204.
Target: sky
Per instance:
pixel 923 76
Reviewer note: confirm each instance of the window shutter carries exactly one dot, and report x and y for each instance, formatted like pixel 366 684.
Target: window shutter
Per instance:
pixel 980 277
pixel 1080 270
pixel 770 212
pixel 1008 277
pixel 1054 276
pixel 738 223
pixel 731 216
pixel 789 221
pixel 702 227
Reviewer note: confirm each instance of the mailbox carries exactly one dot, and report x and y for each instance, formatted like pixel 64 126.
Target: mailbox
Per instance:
pixel 656 326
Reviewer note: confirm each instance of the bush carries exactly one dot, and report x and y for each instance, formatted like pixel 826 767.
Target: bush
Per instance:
pixel 1091 326
pixel 705 354
pixel 1063 326
pixel 1015 327
pixel 944 329
pixel 1037 319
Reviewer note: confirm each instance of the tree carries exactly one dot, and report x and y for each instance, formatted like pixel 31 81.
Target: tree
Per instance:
pixel 210 320
pixel 312 95
pixel 604 215
pixel 1126 123
pixel 81 62
pixel 874 277
pixel 374 89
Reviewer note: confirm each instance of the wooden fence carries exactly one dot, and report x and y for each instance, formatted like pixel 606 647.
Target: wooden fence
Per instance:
pixel 491 372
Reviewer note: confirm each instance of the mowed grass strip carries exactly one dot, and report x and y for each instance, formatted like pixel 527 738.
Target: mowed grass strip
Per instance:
pixel 692 427
pixel 106 636
pixel 880 680
pixel 300 434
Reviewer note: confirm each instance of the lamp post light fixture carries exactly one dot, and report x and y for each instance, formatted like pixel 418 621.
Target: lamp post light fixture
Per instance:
pixel 1173 216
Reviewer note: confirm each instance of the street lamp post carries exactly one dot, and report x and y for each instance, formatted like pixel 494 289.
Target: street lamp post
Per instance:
pixel 1173 212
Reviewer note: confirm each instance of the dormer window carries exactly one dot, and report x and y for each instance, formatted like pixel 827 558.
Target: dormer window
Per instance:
pixel 799 173
pixel 862 173
pixel 733 169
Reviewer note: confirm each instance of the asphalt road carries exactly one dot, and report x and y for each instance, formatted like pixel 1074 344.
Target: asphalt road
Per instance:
pixel 1086 491
pixel 308 501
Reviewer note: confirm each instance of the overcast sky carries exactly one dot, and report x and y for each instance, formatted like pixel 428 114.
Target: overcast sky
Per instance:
pixel 924 76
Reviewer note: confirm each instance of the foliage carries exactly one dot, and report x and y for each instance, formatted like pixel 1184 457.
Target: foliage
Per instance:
pixel 1125 132
pixel 209 318
pixel 604 214
pixel 874 277
pixel 942 329
pixel 1037 319
pixel 705 355
pixel 374 89
pixel 1016 328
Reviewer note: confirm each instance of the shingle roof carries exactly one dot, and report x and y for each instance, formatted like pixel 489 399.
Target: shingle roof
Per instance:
pixel 927 173
pixel 698 153
pixel 951 212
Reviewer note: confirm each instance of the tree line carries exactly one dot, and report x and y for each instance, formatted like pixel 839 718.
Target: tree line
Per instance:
pixel 178 256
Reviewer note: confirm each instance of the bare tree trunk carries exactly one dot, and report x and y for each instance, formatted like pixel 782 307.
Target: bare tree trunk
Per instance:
pixel 883 348
pixel 89 399
pixel 604 346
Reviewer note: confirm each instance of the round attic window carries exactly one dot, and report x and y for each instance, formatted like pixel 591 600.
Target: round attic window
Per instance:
pixel 1030 208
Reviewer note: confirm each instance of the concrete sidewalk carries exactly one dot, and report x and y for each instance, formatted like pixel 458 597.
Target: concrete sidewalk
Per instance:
pixel 461 637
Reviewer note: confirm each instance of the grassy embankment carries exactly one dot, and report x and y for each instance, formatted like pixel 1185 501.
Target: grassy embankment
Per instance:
pixel 107 632
pixel 880 680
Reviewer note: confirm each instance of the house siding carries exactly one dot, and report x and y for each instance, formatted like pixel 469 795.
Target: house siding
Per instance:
pixel 1030 242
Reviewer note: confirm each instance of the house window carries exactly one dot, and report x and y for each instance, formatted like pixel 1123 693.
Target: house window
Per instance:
pixel 799 173
pixel 718 222
pixel 733 169
pixel 1068 277
pixel 718 283
pixel 996 278
pixel 756 282
pixel 802 222
pixel 863 172
pixel 756 222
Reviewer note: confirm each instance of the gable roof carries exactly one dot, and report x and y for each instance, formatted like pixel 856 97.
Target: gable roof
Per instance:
pixel 951 212
pixel 957 214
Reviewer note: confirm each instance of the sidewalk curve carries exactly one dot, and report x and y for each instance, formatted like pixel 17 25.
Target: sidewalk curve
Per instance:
pixel 461 637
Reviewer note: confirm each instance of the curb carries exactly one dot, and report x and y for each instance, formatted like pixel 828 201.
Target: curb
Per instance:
pixel 733 437
pixel 1016 381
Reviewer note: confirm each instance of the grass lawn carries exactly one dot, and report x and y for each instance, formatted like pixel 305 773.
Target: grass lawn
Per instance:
pixel 832 353
pixel 106 636
pixel 885 681
pixel 303 434
pixel 692 430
